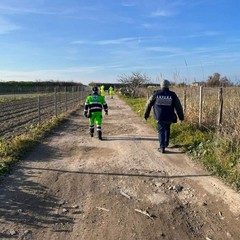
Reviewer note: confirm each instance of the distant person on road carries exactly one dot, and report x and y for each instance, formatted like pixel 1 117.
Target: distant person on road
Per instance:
pixel 93 107
pixel 102 91
pixel 111 91
pixel 164 103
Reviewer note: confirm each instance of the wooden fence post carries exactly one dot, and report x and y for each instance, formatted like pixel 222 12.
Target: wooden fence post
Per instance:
pixel 220 108
pixel 81 93
pixel 66 108
pixel 200 106
pixel 39 110
pixel 55 101
pixel 147 93
pixel 78 94
pixel 72 98
pixel 184 100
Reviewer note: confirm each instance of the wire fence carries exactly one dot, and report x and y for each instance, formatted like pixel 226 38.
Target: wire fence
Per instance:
pixel 18 115
pixel 212 108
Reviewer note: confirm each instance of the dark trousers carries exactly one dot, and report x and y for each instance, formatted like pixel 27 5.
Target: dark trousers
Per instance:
pixel 163 134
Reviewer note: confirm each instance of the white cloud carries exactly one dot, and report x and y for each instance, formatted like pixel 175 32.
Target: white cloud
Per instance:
pixel 128 4
pixel 6 26
pixel 107 41
pixel 204 34
pixel 80 42
pixel 119 41
pixel 208 50
pixel 148 25
pixel 8 10
pixel 116 41
pixel 74 73
pixel 161 13
pixel 164 49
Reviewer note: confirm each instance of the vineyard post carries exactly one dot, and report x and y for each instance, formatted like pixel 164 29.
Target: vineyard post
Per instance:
pixel 72 97
pixel 39 111
pixel 200 105
pixel 220 109
pixel 66 99
pixel 81 93
pixel 76 94
pixel 55 101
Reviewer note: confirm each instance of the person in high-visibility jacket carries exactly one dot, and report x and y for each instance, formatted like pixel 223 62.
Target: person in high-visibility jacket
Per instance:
pixel 102 91
pixel 93 107
pixel 111 91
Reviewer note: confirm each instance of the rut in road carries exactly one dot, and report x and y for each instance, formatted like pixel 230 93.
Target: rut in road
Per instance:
pixel 73 186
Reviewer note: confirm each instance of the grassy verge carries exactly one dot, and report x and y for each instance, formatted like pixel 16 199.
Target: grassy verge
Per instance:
pixel 218 154
pixel 11 150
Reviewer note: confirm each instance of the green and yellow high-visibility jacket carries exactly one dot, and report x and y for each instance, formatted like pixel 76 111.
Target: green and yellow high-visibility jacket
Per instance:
pixel 95 103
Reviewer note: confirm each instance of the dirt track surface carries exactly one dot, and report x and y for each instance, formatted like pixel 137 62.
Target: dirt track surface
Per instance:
pixel 75 187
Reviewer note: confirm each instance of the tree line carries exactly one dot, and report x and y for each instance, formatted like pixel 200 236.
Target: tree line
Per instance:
pixel 12 87
pixel 130 84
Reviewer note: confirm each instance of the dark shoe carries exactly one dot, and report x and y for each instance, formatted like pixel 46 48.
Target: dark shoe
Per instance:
pixel 162 150
pixel 91 132
pixel 166 144
pixel 100 135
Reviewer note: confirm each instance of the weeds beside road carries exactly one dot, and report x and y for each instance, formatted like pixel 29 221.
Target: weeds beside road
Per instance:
pixel 73 186
pixel 11 150
pixel 216 152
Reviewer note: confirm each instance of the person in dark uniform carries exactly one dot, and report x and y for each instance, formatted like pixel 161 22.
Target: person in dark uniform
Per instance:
pixel 164 103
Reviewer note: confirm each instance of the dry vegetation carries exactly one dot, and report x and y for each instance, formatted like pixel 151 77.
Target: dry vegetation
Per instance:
pixel 216 146
pixel 210 108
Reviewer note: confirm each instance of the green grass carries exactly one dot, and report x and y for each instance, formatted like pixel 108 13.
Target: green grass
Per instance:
pixel 136 104
pixel 218 154
pixel 11 150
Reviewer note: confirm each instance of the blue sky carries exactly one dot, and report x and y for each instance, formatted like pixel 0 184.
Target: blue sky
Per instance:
pixel 90 40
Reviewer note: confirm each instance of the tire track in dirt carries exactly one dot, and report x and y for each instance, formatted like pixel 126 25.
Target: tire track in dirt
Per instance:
pixel 75 187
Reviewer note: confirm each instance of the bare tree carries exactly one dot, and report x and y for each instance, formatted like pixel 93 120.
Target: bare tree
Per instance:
pixel 132 83
pixel 217 81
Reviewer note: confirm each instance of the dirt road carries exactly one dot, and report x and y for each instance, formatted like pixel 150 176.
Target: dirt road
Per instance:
pixel 75 187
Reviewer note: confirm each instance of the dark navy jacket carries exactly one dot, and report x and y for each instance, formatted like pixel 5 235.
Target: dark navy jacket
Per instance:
pixel 164 103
